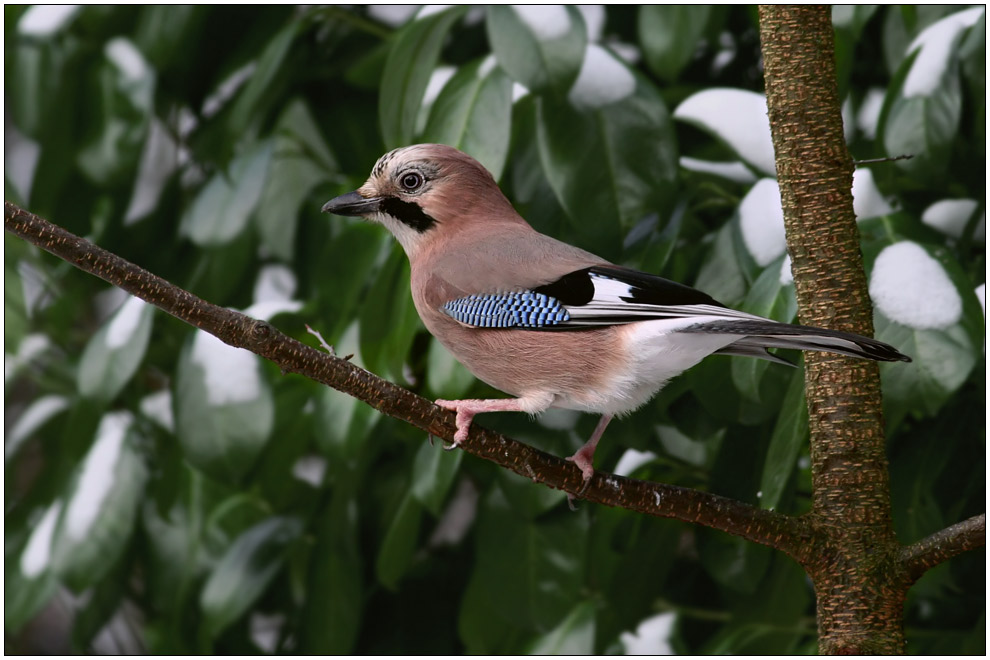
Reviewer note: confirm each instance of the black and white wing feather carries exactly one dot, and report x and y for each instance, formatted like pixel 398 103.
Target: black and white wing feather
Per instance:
pixel 610 295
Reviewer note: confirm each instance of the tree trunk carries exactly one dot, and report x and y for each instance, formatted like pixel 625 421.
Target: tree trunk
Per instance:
pixel 859 583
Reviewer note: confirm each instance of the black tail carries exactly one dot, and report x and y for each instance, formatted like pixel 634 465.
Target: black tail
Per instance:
pixel 769 334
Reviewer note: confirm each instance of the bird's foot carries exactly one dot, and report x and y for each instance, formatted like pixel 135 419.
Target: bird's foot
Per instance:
pixel 464 418
pixel 582 458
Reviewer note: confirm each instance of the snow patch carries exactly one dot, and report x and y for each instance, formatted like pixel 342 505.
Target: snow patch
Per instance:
pixel 910 287
pixel 32 419
pixel 38 550
pixel 430 10
pixel 518 91
pixel 438 79
pixel 546 22
pixel 950 216
pixel 652 636
pixel 868 201
pixel 628 53
pixel 936 43
pixel 761 219
pixel 868 115
pixel 21 155
pixel 275 282
pixel 125 322
pixel 96 479
pixel 32 346
pixel 632 460
pixel 786 276
pixel 848 120
pixel 486 66
pixel 602 80
pixel 46 20
pixel 231 374
pixel 158 407
pixel 310 469
pixel 159 159
pixel 392 15
pixel 127 58
pixel 736 116
pixel 226 90
pixel 734 171
pixel 594 21
pixel 264 311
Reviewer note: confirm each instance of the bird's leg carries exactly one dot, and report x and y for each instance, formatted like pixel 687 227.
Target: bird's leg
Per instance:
pixel 466 409
pixel 583 457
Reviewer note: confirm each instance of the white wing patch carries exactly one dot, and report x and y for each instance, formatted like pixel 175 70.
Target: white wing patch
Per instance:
pixel 610 305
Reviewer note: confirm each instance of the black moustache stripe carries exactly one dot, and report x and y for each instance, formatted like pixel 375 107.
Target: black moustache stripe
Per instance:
pixel 408 213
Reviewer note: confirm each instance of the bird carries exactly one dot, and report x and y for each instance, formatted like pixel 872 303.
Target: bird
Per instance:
pixel 550 324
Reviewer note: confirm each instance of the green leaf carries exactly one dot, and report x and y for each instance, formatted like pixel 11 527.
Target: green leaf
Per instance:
pixel 245 570
pixel 943 357
pixel 389 321
pixel 733 562
pixel 29 582
pixel 33 418
pixel 343 423
pixel 530 572
pixel 96 524
pixel 669 36
pixel 433 472
pixel 625 164
pixel 722 276
pixel 770 298
pixel 114 353
pixel 161 30
pixel 852 17
pixel 15 312
pixel 343 270
pixel 224 407
pixel 224 205
pixel 399 545
pixel 528 498
pixel 790 435
pixel 334 591
pixel 264 83
pixel 446 378
pixel 574 636
pixel 301 159
pixel 473 113
pixel 924 127
pixel 126 94
pixel 540 47
pixel 411 61
pixel 942 360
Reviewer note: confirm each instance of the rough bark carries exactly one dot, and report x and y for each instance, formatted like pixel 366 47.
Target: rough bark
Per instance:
pixel 860 583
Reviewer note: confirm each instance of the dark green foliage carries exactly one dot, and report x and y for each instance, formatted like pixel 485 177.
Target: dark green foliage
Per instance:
pixel 241 510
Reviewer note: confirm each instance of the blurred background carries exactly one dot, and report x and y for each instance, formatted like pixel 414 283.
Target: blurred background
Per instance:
pixel 165 493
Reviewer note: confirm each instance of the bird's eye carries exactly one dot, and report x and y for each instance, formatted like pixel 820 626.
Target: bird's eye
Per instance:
pixel 411 181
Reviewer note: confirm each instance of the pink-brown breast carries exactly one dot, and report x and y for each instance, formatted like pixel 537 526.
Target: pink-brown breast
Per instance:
pixel 579 367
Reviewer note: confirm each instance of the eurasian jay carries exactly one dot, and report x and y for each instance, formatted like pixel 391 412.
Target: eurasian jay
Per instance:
pixel 544 321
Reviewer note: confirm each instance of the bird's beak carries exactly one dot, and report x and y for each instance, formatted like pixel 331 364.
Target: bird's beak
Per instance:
pixel 352 204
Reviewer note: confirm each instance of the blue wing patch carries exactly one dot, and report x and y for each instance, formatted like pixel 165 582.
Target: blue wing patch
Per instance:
pixel 508 310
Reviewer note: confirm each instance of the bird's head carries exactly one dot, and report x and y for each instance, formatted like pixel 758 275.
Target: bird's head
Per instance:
pixel 426 191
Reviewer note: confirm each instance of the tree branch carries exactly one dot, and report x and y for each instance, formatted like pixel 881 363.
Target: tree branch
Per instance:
pixel 785 533
pixel 943 545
